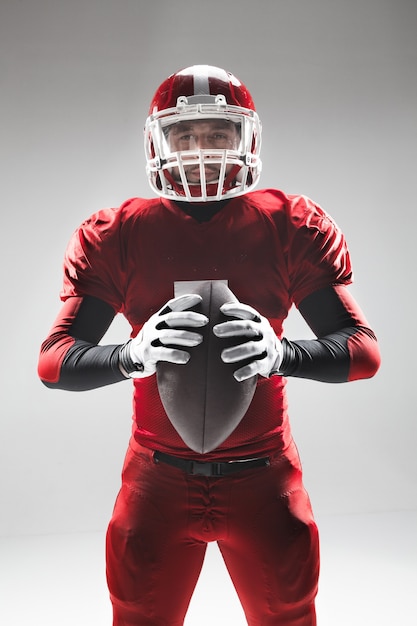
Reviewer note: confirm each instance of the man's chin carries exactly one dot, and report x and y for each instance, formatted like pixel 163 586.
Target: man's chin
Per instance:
pixel 193 175
pixel 196 183
pixel 211 177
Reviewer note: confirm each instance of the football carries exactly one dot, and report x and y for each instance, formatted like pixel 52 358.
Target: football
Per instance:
pixel 202 399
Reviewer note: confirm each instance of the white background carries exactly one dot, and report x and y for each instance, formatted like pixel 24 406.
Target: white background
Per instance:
pixel 335 86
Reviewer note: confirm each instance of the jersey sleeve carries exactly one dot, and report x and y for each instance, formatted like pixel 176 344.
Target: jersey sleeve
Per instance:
pixel 94 260
pixel 317 254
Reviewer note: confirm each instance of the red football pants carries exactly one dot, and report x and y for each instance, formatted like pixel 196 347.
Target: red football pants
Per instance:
pixel 261 519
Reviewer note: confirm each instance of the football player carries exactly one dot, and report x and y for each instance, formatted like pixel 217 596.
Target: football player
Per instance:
pixel 207 222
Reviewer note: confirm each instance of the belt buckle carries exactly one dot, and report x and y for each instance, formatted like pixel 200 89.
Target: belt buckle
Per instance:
pixel 205 469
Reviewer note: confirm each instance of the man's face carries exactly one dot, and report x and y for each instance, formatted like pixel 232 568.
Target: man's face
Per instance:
pixel 202 135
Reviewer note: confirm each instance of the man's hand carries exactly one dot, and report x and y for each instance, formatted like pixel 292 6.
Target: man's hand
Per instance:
pixel 260 342
pixel 166 329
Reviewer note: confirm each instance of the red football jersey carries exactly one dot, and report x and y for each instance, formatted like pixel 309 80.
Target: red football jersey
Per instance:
pixel 273 249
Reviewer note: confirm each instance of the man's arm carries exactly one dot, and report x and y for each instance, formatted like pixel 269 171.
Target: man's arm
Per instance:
pixel 70 357
pixel 346 348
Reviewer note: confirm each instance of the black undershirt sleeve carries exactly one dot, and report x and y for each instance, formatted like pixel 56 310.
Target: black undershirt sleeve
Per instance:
pixel 92 320
pixel 336 320
pixel 326 359
pixel 331 314
pixel 87 365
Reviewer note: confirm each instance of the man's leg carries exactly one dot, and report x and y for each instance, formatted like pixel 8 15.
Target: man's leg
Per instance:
pixel 152 565
pixel 272 549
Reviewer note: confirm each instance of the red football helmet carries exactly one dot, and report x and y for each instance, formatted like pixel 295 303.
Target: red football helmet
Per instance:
pixel 202 136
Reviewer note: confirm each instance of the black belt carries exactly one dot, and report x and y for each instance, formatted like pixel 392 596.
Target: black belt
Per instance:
pixel 199 468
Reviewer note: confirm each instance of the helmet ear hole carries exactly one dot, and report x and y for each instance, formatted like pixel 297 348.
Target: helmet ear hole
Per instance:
pixel 198 94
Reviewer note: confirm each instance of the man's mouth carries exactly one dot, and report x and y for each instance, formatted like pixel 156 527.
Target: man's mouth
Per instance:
pixel 209 171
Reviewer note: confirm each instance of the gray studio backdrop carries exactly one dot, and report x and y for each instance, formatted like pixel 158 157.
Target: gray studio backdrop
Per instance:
pixel 335 85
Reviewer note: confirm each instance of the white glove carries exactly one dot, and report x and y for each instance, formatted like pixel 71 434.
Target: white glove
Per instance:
pixel 260 341
pixel 166 328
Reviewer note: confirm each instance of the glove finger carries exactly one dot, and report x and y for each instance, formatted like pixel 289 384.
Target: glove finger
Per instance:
pixel 171 355
pixel 182 318
pixel 247 371
pixel 248 350
pixel 179 338
pixel 237 328
pixel 180 303
pixel 242 311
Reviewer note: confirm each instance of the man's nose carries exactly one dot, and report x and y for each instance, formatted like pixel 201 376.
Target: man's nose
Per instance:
pixel 201 142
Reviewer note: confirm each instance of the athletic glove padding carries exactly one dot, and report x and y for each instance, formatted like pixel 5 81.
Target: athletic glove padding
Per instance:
pixel 260 341
pixel 163 331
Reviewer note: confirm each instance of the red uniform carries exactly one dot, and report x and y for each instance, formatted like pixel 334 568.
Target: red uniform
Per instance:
pixel 274 250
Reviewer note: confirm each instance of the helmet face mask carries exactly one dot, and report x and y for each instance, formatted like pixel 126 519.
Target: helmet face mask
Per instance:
pixel 203 148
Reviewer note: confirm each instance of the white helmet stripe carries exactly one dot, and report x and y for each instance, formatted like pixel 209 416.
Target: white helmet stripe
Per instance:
pixel 201 80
